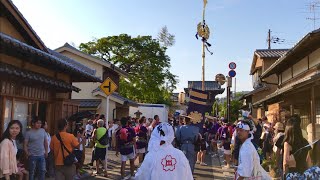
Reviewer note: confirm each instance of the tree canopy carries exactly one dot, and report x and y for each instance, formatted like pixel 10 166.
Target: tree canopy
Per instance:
pixel 144 59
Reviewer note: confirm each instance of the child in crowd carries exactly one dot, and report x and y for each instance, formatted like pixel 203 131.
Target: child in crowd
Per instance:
pixel 22 172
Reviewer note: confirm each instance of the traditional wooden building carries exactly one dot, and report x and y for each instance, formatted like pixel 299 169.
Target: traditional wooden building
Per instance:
pixel 33 81
pixel 91 97
pixel 298 79
pixel 262 60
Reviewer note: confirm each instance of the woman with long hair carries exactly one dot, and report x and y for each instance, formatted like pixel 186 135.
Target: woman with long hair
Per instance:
pixel 294 150
pixel 8 149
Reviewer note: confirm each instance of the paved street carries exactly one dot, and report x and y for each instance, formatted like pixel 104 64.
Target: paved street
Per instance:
pixel 212 171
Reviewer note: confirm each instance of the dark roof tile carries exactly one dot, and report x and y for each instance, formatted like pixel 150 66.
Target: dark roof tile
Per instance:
pixel 209 85
pixel 47 60
pixel 271 53
pixel 89 103
pixel 32 76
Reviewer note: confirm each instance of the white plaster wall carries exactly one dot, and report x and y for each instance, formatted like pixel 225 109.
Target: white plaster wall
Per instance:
pixel 300 66
pixel 286 75
pixel 103 106
pixel 314 58
pixel 86 87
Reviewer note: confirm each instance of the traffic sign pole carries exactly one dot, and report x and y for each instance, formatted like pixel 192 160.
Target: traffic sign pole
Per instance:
pixel 108 87
pixel 107 111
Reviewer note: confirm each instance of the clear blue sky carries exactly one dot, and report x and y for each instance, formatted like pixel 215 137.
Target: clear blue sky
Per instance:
pixel 238 27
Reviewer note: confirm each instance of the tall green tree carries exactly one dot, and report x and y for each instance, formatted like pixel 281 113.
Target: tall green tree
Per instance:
pixel 165 38
pixel 144 59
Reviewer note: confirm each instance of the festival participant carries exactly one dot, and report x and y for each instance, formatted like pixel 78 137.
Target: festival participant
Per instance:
pixel 163 160
pixel 125 145
pixel 187 136
pixel 142 139
pixel 249 161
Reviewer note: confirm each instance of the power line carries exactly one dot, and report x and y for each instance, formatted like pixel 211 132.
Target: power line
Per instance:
pixel 274 40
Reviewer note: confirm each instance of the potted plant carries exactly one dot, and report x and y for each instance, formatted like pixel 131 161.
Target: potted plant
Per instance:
pixel 270 165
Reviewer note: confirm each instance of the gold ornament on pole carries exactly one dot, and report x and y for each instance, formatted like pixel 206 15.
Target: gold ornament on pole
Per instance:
pixel 204 32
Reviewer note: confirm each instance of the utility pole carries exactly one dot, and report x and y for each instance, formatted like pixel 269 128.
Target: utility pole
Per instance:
pixel 229 85
pixel 269 39
pixel 235 86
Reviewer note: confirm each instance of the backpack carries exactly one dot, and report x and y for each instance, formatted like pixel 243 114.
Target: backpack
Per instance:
pixel 123 134
pixel 104 140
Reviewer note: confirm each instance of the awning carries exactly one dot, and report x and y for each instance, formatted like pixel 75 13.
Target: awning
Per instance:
pixel 29 76
pixel 89 103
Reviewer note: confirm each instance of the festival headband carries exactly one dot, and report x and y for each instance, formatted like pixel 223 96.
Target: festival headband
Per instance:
pixel 243 126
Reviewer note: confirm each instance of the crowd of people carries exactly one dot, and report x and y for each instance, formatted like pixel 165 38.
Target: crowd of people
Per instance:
pixel 248 145
pixel 164 150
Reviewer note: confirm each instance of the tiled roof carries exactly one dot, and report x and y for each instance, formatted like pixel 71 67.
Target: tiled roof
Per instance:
pixel 74 62
pixel 106 63
pixel 35 77
pixel 271 53
pixel 44 59
pixel 259 89
pixel 89 103
pixel 126 101
pixel 209 85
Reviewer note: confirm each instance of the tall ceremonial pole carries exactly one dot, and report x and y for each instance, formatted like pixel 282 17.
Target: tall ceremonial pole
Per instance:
pixel 204 32
pixel 203 46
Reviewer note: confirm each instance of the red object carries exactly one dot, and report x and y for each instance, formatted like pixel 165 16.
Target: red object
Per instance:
pixel 124 134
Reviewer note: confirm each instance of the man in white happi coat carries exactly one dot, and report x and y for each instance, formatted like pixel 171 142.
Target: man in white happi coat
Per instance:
pixel 249 161
pixel 163 161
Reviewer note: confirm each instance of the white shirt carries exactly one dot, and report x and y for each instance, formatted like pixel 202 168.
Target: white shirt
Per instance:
pixel 275 139
pixel 15 146
pixel 81 145
pixel 49 141
pixel 114 127
pixel 110 130
pixel 233 139
pixel 249 162
pixel 89 128
pixel 166 163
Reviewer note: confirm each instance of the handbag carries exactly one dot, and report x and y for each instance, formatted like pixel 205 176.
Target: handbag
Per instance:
pixel 104 140
pixel 69 159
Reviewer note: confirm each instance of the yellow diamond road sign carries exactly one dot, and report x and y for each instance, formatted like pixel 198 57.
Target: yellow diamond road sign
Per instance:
pixel 108 86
